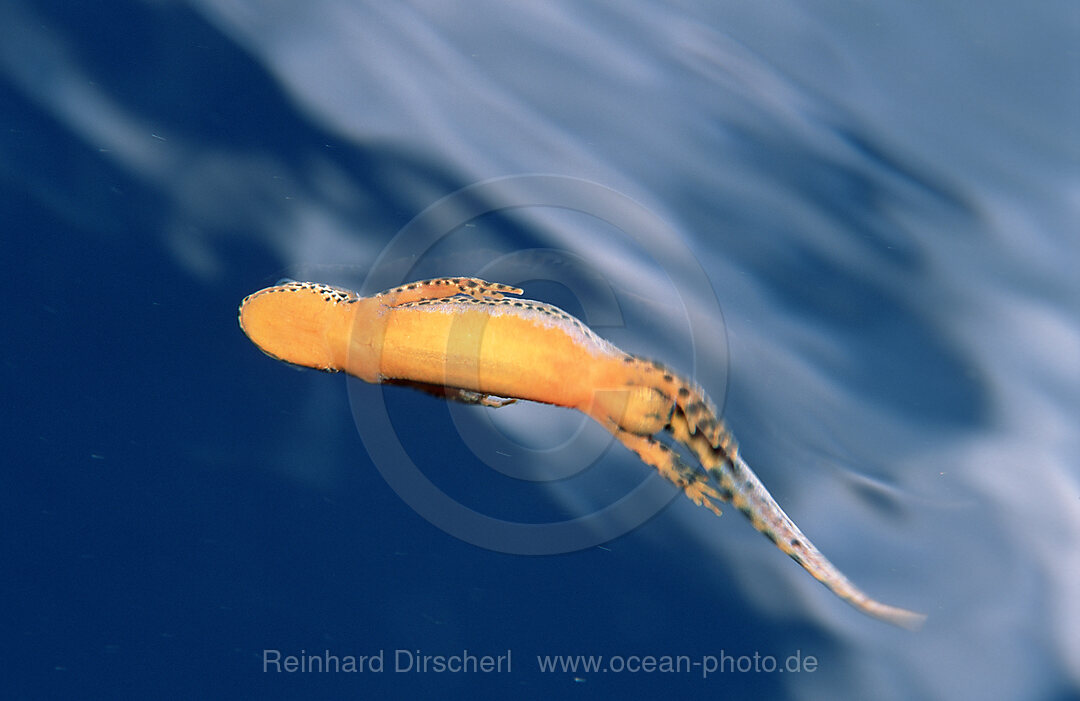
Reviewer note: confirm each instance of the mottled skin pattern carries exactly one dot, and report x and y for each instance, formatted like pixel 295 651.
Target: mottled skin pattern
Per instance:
pixel 461 339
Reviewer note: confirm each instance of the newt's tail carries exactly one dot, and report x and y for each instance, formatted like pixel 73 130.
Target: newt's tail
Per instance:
pixel 696 424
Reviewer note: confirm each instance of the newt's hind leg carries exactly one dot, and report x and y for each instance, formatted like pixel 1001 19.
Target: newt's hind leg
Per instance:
pixel 701 416
pixel 442 287
pixel 694 483
pixel 712 447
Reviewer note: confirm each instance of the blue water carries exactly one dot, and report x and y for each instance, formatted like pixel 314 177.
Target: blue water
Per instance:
pixel 855 226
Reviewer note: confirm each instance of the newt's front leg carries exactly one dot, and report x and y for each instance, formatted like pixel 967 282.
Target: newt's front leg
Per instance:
pixel 455 394
pixel 443 287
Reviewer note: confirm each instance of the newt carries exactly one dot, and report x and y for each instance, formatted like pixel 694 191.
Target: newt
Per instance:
pixel 465 339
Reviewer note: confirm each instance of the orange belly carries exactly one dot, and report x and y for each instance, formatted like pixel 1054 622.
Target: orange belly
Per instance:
pixel 491 349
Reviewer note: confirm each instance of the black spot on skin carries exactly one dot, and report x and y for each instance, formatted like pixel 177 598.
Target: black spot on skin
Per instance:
pixel 668 378
pixel 683 393
pixel 471 283
pixel 795 543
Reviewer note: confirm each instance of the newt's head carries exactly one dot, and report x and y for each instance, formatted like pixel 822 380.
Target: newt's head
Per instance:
pixel 300 323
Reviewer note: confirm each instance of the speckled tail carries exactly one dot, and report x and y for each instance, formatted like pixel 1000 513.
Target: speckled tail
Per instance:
pixel 707 437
